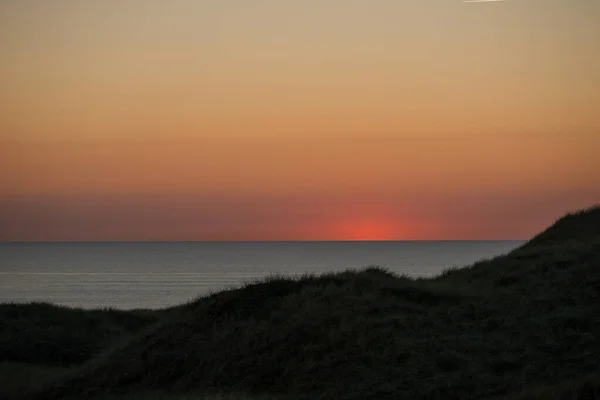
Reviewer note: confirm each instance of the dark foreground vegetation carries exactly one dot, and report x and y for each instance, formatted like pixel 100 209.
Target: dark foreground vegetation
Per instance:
pixel 525 325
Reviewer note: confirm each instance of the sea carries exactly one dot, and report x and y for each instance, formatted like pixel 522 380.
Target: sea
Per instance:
pixel 156 275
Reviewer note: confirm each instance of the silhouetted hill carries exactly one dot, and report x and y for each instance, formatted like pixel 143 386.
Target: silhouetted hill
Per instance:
pixel 579 226
pixel 519 324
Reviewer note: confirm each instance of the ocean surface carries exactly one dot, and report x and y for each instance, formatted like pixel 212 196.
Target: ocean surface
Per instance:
pixel 156 275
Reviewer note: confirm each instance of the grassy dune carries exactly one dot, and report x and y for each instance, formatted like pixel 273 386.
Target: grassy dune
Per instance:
pixel 520 326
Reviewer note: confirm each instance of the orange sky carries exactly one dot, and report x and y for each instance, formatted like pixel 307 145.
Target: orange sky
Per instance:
pixel 312 120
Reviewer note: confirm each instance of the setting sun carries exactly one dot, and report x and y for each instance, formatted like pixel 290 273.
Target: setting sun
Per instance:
pixel 367 230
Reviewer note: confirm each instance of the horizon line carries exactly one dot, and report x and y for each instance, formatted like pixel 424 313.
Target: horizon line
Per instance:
pixel 254 241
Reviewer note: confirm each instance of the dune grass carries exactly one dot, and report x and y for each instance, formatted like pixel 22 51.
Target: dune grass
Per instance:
pixel 519 326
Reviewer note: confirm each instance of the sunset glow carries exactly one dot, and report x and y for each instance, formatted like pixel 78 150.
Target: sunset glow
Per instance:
pixel 312 120
pixel 368 230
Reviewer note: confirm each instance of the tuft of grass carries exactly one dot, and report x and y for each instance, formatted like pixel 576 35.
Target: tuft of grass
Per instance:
pixel 521 324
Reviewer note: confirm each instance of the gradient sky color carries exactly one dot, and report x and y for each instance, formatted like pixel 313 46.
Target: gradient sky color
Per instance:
pixel 296 120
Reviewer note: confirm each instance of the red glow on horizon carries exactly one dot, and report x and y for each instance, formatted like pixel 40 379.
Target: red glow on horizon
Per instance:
pixel 366 230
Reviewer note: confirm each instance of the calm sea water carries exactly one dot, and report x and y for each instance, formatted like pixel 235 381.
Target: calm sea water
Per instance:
pixel 155 275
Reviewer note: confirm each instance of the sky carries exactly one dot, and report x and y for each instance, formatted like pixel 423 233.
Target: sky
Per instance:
pixel 135 120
